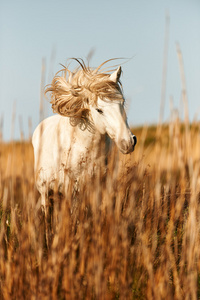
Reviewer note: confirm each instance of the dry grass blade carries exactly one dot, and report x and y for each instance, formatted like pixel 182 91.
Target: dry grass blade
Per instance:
pixel 129 233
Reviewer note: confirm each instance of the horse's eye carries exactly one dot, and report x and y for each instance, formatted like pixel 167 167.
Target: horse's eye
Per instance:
pixel 99 111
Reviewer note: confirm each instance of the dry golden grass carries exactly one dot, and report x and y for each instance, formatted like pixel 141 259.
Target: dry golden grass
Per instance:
pixel 132 233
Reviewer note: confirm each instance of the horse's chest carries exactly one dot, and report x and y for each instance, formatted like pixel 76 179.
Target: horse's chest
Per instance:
pixel 75 161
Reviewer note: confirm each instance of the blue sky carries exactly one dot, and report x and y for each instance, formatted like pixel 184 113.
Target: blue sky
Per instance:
pixel 52 31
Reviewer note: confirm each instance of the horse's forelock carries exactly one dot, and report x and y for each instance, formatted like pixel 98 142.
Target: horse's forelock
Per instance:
pixel 71 91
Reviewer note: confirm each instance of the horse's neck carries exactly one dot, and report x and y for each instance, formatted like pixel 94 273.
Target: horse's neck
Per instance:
pixel 94 142
pixel 86 150
pixel 85 138
pixel 82 139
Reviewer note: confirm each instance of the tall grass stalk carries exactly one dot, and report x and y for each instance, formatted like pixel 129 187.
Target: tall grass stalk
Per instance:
pixel 131 232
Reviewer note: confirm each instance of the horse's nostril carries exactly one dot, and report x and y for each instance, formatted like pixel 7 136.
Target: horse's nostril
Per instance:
pixel 135 140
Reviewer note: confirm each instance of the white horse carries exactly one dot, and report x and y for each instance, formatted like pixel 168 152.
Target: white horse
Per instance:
pixel 90 104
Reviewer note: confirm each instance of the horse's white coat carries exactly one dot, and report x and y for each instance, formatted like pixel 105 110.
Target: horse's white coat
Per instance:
pixel 64 149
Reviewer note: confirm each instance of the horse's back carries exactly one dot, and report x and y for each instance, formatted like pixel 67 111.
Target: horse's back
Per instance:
pixel 46 141
pixel 45 128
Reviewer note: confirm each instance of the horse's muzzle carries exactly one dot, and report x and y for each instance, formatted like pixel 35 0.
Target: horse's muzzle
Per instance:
pixel 128 146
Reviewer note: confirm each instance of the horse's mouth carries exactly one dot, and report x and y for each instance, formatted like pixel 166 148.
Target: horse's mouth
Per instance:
pixel 127 148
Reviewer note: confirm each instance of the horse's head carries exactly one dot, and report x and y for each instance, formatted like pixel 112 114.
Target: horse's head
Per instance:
pixel 90 95
pixel 110 117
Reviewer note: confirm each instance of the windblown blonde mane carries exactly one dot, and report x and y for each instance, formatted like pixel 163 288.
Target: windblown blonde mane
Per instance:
pixel 73 91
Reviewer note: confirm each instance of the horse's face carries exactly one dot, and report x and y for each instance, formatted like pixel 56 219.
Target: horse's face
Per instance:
pixel 110 117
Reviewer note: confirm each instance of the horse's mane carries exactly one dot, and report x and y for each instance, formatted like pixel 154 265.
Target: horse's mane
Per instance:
pixel 73 91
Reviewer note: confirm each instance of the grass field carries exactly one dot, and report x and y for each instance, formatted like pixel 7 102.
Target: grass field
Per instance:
pixel 132 233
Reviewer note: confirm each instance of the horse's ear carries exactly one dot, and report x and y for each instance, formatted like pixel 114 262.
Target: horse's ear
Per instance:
pixel 116 75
